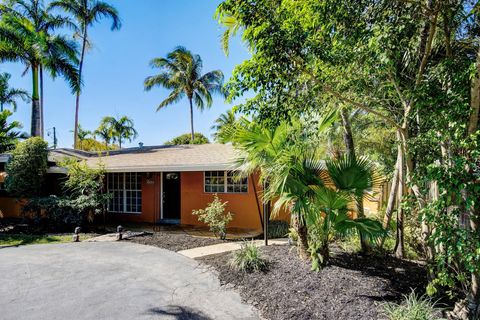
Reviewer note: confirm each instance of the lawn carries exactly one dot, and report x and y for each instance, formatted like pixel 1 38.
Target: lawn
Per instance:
pixel 26 239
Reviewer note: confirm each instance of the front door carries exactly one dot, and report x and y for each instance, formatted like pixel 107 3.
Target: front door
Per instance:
pixel 171 196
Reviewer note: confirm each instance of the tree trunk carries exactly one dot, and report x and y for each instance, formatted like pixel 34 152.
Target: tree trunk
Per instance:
pixel 302 233
pixel 400 239
pixel 42 122
pixel 391 199
pixel 77 101
pixel 191 119
pixel 347 133
pixel 35 125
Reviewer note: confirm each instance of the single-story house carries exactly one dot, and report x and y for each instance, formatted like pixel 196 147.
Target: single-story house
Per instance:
pixel 163 184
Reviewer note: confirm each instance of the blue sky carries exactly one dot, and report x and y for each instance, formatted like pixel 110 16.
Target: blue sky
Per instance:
pixel 118 63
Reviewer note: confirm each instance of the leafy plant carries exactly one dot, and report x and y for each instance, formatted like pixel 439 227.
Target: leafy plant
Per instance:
pixel 278 229
pixel 414 307
pixel 27 168
pixel 248 258
pixel 187 139
pixel 215 217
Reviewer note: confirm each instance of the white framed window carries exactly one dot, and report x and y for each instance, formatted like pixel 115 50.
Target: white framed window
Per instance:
pixel 224 182
pixel 126 192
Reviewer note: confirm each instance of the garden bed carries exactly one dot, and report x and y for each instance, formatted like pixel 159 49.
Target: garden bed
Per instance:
pixel 351 287
pixel 174 241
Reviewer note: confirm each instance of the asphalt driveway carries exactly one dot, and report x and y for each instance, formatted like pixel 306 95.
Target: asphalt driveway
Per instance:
pixel 110 280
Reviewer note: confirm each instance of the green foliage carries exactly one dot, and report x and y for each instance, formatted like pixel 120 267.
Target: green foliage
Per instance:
pixel 117 130
pixel 414 307
pixel 278 229
pixel 181 72
pixel 8 134
pixel 187 139
pixel 27 168
pixel 9 96
pixel 248 258
pixel 215 217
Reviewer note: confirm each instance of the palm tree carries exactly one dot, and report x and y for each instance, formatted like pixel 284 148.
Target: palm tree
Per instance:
pixel 86 13
pixel 121 129
pixel 21 41
pixel 105 133
pixel 181 72
pixel 223 122
pixel 356 177
pixel 9 96
pixel 8 132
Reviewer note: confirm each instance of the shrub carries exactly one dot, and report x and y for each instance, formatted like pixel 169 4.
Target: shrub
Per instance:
pixel 27 168
pixel 248 258
pixel 215 217
pixel 277 229
pixel 187 139
pixel 414 307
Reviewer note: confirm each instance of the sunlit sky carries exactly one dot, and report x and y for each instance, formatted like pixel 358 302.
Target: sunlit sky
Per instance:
pixel 118 63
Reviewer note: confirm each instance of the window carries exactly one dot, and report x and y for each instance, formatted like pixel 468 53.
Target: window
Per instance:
pixel 126 192
pixel 225 182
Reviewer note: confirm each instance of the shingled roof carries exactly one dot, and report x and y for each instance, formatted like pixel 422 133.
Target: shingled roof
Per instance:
pixel 157 158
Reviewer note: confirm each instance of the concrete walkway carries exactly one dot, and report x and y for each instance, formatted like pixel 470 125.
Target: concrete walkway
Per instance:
pixel 225 247
pixel 111 280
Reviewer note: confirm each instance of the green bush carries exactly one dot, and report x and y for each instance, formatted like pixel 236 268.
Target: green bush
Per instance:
pixel 248 258
pixel 414 307
pixel 277 229
pixel 187 139
pixel 27 168
pixel 215 217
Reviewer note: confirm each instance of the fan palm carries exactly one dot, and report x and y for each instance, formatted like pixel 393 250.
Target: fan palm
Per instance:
pixel 86 13
pixel 121 129
pixel 356 177
pixel 22 41
pixel 181 72
pixel 9 96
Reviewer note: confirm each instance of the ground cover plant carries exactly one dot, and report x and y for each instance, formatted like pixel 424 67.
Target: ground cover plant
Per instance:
pixel 248 258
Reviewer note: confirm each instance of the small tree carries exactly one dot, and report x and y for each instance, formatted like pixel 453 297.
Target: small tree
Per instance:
pixel 187 139
pixel 27 168
pixel 215 217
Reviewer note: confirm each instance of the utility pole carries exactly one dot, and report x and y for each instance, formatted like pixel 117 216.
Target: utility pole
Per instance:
pixel 55 141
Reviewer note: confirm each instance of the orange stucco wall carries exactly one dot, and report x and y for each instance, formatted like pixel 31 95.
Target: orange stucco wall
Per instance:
pixel 10 208
pixel 242 205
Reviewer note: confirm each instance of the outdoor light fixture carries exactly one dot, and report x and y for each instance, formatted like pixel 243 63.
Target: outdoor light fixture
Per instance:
pixel 76 235
pixel 119 233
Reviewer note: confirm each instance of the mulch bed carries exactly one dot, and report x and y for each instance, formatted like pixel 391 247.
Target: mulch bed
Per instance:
pixel 174 241
pixel 351 287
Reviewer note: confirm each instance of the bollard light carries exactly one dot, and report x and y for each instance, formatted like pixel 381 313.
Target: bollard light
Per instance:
pixel 76 235
pixel 119 233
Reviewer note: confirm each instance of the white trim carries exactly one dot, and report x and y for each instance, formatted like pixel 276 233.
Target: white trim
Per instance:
pixel 161 195
pixel 225 184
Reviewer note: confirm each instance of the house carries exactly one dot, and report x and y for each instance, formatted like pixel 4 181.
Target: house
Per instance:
pixel 163 184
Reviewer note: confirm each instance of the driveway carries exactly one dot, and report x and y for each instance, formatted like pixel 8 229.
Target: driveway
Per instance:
pixel 118 280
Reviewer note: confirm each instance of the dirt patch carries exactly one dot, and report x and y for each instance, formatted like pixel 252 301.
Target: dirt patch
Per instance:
pixel 174 241
pixel 351 287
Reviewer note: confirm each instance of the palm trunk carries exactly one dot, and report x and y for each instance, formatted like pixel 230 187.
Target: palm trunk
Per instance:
pixel 400 238
pixel 302 233
pixel 191 119
pixel 77 101
pixel 42 123
pixel 35 125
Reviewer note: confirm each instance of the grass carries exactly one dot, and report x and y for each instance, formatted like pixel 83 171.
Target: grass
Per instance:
pixel 248 258
pixel 414 307
pixel 26 239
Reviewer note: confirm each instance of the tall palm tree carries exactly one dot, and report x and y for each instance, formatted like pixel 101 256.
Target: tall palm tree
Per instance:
pixel 86 13
pixel 43 22
pixel 181 72
pixel 223 122
pixel 20 41
pixel 121 129
pixel 9 96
